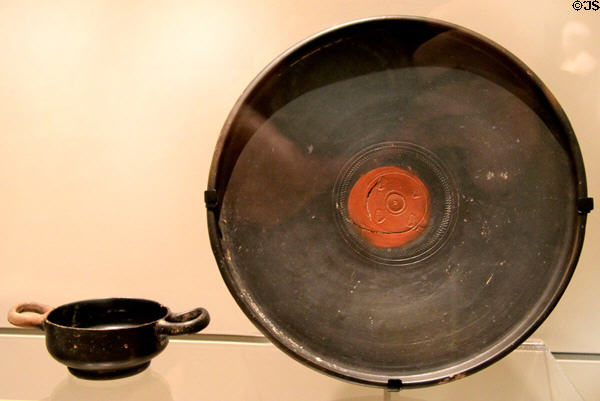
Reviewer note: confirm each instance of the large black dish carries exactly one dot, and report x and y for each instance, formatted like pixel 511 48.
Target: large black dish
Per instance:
pixel 507 207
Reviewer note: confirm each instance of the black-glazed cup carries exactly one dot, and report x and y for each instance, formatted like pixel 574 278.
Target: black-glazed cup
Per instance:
pixel 107 338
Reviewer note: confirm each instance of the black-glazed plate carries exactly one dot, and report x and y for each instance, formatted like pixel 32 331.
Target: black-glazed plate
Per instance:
pixel 397 201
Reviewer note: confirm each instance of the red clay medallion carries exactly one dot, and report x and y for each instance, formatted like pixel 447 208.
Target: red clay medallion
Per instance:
pixel 390 206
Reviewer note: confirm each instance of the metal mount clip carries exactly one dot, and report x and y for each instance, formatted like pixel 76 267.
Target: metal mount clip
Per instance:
pixel 211 199
pixel 585 205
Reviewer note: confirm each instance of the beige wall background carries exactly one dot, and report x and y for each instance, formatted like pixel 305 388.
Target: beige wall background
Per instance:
pixel 109 112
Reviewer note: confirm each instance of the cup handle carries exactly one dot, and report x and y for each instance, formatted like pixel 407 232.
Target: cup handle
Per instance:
pixel 21 314
pixel 183 323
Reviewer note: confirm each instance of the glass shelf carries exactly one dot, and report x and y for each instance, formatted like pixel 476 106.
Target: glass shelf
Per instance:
pixel 530 373
pixel 234 368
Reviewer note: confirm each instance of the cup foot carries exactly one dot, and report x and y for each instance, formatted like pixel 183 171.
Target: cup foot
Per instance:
pixel 108 374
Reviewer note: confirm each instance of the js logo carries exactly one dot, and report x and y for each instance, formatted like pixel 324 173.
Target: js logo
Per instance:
pixel 586 5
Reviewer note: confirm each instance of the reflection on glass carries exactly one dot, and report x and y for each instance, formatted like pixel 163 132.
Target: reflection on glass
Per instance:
pixel 575 40
pixel 146 386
